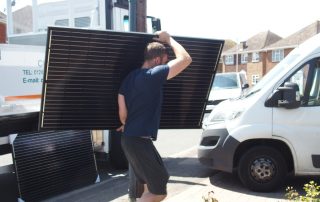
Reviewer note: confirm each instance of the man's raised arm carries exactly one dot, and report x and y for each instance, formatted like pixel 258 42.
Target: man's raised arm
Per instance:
pixel 182 60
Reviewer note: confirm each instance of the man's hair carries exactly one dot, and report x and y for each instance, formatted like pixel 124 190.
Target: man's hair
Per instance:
pixel 153 50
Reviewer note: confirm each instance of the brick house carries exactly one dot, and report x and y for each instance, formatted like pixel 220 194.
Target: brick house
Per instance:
pixel 227 45
pixel 3 30
pixel 249 55
pixel 263 51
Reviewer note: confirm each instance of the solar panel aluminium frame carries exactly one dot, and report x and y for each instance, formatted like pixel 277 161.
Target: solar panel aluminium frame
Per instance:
pixel 84 69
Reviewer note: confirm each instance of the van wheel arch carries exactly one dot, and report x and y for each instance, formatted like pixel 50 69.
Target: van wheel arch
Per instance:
pixel 277 144
pixel 262 168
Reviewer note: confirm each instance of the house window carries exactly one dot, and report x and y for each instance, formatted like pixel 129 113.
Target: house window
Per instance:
pixel 82 22
pixel 255 79
pixel 63 22
pixel 244 58
pixel 277 55
pixel 255 57
pixel 229 60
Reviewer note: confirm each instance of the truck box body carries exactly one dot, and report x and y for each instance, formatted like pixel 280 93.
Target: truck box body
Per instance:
pixel 21 78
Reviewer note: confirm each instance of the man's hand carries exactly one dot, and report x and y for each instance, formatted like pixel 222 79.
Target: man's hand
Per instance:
pixel 120 129
pixel 163 37
pixel 182 60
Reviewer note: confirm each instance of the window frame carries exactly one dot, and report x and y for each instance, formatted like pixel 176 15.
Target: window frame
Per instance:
pixel 62 22
pixel 277 55
pixel 255 57
pixel 80 20
pixel 244 58
pixel 254 79
pixel 229 59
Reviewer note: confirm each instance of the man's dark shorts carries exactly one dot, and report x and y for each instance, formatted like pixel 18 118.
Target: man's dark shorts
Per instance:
pixel 146 163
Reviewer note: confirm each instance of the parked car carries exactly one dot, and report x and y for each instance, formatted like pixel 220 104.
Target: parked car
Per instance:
pixel 226 86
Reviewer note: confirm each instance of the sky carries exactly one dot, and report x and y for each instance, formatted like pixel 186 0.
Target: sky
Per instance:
pixel 237 20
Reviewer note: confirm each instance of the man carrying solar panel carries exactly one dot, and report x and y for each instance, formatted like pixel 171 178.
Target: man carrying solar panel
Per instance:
pixel 139 100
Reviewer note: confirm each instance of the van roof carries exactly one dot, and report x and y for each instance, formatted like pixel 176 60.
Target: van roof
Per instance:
pixel 310 46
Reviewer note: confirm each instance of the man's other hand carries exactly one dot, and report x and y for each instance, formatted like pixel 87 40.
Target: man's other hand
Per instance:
pixel 120 129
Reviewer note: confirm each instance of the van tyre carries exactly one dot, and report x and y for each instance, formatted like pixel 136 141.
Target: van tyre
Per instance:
pixel 262 169
pixel 117 156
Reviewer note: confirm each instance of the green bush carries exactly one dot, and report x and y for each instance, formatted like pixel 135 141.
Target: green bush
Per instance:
pixel 312 190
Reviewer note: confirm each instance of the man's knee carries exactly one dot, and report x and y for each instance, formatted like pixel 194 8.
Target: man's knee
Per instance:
pixel 161 197
pixel 151 197
pixel 158 198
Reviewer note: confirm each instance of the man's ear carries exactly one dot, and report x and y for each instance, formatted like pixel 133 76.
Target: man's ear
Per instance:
pixel 158 60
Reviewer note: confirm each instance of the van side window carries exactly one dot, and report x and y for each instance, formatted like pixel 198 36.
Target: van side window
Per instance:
pixel 308 80
pixel 314 94
pixel 300 78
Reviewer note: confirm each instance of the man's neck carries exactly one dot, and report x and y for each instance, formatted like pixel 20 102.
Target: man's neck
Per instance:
pixel 148 64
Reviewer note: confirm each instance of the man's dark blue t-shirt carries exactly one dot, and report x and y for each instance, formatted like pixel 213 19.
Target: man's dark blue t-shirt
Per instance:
pixel 142 90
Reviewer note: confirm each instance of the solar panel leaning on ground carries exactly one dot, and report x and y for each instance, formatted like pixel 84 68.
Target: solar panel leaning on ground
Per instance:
pixel 84 70
pixel 53 162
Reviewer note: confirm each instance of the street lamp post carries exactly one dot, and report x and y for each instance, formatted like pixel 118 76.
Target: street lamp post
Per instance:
pixel 9 18
pixel 237 58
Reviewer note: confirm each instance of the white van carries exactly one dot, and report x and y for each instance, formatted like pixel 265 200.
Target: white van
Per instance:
pixel 226 86
pixel 272 130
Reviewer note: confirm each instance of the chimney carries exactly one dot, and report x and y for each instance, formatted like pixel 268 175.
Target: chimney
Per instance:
pixel 243 45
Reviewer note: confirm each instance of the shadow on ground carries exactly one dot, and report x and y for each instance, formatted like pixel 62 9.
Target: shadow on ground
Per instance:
pixel 184 172
pixel 187 167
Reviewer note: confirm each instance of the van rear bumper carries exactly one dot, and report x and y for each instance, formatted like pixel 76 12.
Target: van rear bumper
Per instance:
pixel 217 148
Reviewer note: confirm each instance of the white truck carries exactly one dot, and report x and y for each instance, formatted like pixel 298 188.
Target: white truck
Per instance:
pixel 21 78
pixel 21 61
pixel 273 130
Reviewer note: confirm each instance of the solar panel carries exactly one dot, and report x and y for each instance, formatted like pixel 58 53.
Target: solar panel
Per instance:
pixel 84 70
pixel 53 162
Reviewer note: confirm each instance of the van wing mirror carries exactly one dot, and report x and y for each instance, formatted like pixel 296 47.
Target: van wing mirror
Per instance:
pixel 289 100
pixel 244 86
pixel 287 97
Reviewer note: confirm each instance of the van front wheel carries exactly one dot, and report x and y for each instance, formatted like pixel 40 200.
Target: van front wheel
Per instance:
pixel 262 169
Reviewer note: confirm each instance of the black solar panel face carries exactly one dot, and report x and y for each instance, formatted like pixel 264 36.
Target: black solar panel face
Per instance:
pixel 52 162
pixel 84 69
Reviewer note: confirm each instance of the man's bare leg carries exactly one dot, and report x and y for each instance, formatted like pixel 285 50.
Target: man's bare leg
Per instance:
pixel 147 196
